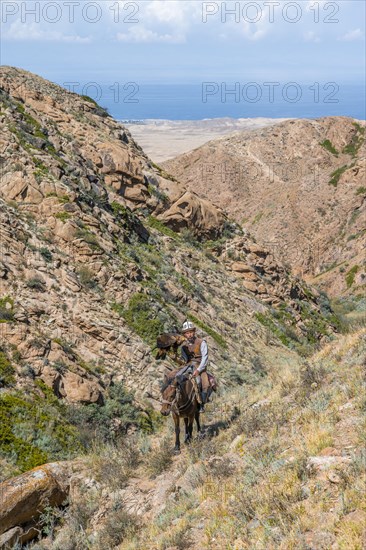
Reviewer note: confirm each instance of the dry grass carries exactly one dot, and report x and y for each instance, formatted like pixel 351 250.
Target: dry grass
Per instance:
pixel 248 483
pixel 160 457
pixel 113 465
pixel 273 500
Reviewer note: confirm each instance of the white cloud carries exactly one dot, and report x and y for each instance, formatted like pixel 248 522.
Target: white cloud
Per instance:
pixel 34 32
pixel 166 21
pixel 167 12
pixel 310 36
pixel 350 36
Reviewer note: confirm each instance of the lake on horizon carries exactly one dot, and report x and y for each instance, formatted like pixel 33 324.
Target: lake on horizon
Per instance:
pixel 130 101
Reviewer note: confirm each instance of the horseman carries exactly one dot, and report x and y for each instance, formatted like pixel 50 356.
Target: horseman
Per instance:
pixel 195 352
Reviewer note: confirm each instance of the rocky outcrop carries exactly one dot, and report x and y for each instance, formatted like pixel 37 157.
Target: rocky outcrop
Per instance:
pixel 264 275
pixel 78 147
pixel 190 209
pixel 25 497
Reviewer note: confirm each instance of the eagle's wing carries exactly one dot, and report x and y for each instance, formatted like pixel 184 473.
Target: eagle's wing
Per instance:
pixel 165 340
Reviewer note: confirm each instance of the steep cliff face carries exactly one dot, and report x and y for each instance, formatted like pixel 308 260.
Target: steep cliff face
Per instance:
pixel 59 143
pixel 299 187
pixel 100 252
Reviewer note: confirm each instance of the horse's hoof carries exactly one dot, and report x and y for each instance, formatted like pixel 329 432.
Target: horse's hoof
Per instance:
pixel 188 441
pixel 176 452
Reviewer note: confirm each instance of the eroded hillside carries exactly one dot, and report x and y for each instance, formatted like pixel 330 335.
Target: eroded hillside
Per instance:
pixel 101 252
pixel 299 188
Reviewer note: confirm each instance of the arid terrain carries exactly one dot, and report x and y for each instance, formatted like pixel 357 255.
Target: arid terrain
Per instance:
pixel 298 187
pixel 102 250
pixel 165 139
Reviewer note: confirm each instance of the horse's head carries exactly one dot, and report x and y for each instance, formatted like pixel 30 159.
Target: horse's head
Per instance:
pixel 168 393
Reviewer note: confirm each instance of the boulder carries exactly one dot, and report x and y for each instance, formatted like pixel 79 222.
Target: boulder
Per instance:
pixel 192 212
pixel 23 498
pixel 50 377
pixel 77 389
pixel 241 267
pixel 249 285
pixel 10 538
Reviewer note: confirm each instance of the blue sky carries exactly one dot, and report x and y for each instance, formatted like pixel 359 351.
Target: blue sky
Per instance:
pixel 175 41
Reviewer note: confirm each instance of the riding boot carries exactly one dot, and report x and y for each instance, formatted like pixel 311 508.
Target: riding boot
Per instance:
pixel 204 399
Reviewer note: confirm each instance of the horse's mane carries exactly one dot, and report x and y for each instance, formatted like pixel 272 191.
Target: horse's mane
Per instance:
pixel 165 384
pixel 168 380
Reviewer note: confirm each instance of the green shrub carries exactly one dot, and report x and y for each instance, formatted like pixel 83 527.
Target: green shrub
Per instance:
pixel 67 347
pixel 86 277
pixel 88 237
pixel 63 199
pixel 336 175
pixel 119 209
pixel 36 283
pixel 361 190
pixel 6 309
pixel 63 216
pixel 46 254
pixel 329 147
pixel 98 110
pixel 90 99
pixel 217 337
pixel 162 172
pixel 185 283
pixel 6 371
pixel 159 226
pixel 33 429
pixel 350 275
pixel 267 321
pixel 141 316
pixel 356 142
pixel 155 191
pixel 107 422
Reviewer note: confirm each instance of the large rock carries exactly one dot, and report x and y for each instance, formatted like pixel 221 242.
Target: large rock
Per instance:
pixel 77 389
pixel 241 267
pixel 23 498
pixel 192 212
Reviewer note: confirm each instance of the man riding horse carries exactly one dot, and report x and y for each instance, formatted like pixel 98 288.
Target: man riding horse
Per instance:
pixel 184 392
pixel 195 353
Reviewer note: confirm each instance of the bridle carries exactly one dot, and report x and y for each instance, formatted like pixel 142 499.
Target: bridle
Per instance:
pixel 174 402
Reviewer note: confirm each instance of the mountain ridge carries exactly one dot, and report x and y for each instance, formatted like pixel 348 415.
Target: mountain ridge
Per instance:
pixel 298 187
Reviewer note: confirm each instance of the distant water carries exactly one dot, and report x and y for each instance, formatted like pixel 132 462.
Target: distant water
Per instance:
pixel 187 102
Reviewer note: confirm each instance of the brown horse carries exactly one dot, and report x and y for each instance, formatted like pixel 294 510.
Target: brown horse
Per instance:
pixel 179 398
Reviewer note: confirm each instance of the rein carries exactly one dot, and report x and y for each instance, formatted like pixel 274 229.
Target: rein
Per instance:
pixel 174 403
pixel 184 406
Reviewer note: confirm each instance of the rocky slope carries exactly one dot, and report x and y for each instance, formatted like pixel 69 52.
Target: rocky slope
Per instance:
pixel 100 252
pixel 281 465
pixel 299 187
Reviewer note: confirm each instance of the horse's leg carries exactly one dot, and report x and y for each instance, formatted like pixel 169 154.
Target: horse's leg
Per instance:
pixel 197 417
pixel 190 426
pixel 186 423
pixel 177 431
pixel 200 433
